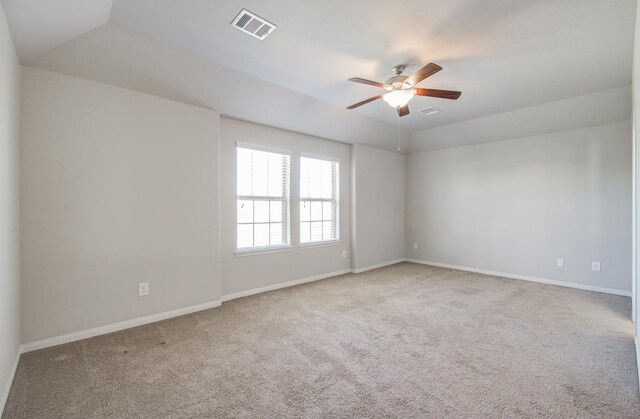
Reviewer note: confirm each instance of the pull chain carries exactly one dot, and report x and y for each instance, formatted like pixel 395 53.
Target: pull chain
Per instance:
pixel 398 134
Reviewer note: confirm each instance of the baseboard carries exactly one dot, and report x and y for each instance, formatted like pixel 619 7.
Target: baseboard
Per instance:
pixel 379 265
pixel 7 387
pixel 524 278
pixel 110 328
pixel 233 296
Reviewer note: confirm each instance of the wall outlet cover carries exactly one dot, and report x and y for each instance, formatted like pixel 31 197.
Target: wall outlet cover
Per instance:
pixel 560 262
pixel 595 266
pixel 143 289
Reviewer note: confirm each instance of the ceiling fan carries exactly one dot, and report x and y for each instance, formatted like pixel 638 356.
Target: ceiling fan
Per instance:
pixel 400 89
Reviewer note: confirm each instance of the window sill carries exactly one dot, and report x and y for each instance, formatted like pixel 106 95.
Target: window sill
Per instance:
pixel 263 251
pixel 313 245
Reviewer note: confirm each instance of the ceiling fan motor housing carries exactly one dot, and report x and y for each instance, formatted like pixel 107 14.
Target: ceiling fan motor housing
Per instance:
pixel 397 83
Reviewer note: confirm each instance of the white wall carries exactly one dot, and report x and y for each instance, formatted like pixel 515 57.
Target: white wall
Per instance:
pixel 118 188
pixel 378 207
pixel 515 206
pixel 245 273
pixel 111 54
pixel 9 225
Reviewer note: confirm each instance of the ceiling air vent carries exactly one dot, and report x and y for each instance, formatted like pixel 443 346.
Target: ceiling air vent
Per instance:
pixel 429 111
pixel 252 24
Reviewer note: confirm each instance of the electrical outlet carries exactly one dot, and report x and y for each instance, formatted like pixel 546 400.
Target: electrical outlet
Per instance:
pixel 344 254
pixel 415 246
pixel 560 262
pixel 143 289
pixel 595 266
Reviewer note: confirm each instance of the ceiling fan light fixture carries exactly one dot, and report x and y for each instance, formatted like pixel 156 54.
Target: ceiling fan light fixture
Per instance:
pixel 398 98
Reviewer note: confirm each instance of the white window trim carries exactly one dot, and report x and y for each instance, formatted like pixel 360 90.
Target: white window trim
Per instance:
pixel 268 149
pixel 325 243
pixel 248 251
pixel 337 200
pixel 320 157
pixel 264 250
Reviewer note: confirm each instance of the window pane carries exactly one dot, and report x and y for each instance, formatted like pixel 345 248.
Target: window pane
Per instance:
pixel 315 188
pixel 260 174
pixel 316 231
pixel 325 170
pixel 304 167
pixel 276 234
pixel 327 230
pixel 304 178
pixel 244 171
pixel 316 211
pixel 261 211
pixel 275 175
pixel 327 212
pixel 261 235
pixel 245 211
pixel 245 235
pixel 305 211
pixel 319 180
pixel 304 187
pixel 305 232
pixel 326 191
pixel 276 211
pixel 315 169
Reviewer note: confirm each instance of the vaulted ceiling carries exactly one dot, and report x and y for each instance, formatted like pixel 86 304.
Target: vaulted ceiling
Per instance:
pixel 502 54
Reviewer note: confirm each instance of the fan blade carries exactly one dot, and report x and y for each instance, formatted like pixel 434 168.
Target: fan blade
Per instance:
pixel 442 94
pixel 365 81
pixel 403 111
pixel 364 102
pixel 426 71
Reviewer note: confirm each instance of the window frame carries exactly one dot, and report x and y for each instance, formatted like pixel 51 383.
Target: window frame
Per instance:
pixel 335 200
pixel 285 199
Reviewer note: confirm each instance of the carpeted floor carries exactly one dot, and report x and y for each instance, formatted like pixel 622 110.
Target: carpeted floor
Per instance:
pixel 402 341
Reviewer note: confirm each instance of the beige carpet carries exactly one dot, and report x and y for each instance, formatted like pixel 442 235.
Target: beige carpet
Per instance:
pixel 403 341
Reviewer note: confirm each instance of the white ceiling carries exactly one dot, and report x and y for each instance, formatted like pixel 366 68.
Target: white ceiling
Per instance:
pixel 502 54
pixel 37 26
pixel 592 109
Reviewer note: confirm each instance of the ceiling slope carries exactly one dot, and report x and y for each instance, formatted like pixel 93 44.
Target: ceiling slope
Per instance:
pixel 502 54
pixel 612 105
pixel 38 26
pixel 114 55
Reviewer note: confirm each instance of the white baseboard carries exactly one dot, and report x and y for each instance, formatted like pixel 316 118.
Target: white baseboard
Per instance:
pixel 109 328
pixel 525 278
pixel 240 294
pixel 7 386
pixel 379 265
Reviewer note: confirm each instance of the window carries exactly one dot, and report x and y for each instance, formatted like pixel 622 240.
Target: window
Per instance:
pixel 319 200
pixel 262 198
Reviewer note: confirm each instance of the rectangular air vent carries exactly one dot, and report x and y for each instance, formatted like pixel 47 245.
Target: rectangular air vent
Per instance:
pixel 252 24
pixel 429 111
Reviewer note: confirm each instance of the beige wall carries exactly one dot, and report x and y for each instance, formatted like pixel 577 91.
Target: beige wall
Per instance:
pixel 118 188
pixel 264 270
pixel 9 225
pixel 516 206
pixel 378 207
